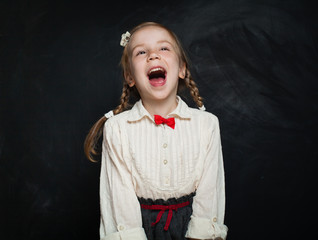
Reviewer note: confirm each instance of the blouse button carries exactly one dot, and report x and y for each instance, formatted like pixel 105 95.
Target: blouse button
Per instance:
pixel 165 161
pixel 165 145
pixel 167 180
pixel 214 219
pixel 121 228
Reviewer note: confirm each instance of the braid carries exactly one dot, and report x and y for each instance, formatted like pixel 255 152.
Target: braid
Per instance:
pixel 194 91
pixel 124 99
pixel 91 140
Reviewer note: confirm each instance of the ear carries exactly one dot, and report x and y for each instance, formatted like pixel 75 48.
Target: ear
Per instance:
pixel 131 82
pixel 182 71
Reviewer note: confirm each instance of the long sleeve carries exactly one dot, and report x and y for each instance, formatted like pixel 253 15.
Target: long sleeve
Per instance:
pixel 120 209
pixel 209 203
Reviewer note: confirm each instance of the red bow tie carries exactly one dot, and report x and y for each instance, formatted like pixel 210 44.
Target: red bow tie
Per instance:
pixel 160 120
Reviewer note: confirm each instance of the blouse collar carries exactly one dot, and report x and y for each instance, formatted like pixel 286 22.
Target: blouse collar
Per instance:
pixel 138 111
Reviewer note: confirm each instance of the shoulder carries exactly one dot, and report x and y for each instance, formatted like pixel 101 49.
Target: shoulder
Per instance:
pixel 204 116
pixel 115 124
pixel 207 121
pixel 117 119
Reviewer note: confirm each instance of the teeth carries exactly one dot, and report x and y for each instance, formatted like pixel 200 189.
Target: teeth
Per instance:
pixel 156 69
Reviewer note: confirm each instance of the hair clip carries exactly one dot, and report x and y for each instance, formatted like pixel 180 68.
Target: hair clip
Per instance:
pixel 109 114
pixel 124 39
pixel 202 108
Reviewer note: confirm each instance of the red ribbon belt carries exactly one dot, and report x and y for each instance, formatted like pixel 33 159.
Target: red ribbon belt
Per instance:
pixel 162 209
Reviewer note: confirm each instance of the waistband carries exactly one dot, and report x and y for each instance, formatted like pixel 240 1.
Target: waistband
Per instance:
pixel 169 201
pixel 162 205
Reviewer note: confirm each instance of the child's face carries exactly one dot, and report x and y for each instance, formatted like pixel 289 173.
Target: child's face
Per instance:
pixel 154 63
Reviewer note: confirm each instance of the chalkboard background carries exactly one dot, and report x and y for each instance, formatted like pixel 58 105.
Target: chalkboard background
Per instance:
pixel 256 66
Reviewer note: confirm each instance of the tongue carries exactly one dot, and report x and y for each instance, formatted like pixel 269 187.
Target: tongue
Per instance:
pixel 157 81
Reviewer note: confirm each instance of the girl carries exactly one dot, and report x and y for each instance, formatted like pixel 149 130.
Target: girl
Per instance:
pixel 162 171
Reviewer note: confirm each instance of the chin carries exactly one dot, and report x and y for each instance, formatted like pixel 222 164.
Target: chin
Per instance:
pixel 164 95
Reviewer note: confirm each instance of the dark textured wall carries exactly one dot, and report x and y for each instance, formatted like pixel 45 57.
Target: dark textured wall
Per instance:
pixel 256 66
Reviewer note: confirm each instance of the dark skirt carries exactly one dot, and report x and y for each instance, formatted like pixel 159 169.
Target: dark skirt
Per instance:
pixel 179 221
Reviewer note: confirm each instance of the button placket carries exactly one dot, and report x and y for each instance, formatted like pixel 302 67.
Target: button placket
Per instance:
pixel 165 160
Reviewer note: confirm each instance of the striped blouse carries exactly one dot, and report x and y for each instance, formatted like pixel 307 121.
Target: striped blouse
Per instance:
pixel 143 159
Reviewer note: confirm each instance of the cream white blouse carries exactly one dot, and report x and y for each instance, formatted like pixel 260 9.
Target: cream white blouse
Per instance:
pixel 142 159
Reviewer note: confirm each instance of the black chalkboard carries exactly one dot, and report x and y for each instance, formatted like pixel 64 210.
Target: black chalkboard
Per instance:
pixel 255 63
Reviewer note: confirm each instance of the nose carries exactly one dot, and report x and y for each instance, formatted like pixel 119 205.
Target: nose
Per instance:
pixel 153 56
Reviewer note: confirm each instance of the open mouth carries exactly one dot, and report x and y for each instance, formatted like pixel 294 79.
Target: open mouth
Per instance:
pixel 157 76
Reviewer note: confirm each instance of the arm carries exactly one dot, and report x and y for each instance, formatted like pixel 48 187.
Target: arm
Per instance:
pixel 120 209
pixel 209 203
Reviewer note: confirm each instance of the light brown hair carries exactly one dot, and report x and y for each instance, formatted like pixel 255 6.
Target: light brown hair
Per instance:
pixel 90 144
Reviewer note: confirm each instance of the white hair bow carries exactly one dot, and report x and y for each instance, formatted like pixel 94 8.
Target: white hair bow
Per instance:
pixel 124 39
